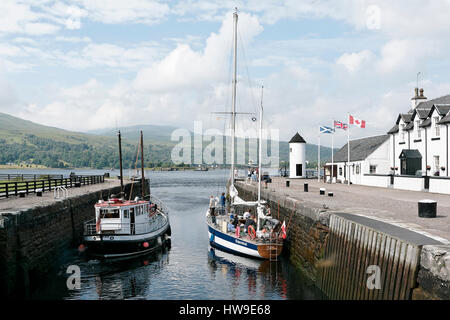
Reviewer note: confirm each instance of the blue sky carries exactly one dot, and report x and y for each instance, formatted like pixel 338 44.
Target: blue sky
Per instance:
pixel 85 64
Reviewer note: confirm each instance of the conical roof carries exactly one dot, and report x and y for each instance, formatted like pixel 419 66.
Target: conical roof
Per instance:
pixel 297 139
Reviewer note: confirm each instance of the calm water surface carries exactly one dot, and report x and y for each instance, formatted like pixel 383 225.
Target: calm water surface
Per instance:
pixel 189 269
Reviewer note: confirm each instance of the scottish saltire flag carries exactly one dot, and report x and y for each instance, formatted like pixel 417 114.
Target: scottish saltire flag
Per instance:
pixel 325 129
pixel 340 125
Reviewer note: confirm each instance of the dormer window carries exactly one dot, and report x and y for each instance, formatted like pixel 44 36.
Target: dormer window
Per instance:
pixel 403 132
pixel 437 131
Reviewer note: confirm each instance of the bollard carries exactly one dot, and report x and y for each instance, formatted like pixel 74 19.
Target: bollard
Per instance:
pixel 22 194
pixel 39 192
pixel 322 191
pixel 287 183
pixel 305 187
pixel 330 194
pixel 427 208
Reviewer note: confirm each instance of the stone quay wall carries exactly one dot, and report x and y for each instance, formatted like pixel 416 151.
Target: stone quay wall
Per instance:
pixel 309 230
pixel 33 240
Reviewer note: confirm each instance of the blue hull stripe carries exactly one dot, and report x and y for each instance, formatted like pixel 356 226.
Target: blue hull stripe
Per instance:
pixel 228 238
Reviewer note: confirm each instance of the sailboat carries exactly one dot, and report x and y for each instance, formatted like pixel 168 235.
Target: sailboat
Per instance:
pixel 264 242
pixel 126 228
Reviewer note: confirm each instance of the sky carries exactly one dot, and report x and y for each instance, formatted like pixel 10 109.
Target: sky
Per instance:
pixel 89 64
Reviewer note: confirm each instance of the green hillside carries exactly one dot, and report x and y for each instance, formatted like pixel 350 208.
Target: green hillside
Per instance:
pixel 26 142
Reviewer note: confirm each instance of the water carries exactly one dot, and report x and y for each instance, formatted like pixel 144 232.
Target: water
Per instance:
pixel 189 269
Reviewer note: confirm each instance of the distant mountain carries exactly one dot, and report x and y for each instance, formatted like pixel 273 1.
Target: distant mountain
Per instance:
pixel 26 142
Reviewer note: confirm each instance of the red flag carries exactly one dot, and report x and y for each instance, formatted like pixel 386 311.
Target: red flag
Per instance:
pixel 357 122
pixel 283 229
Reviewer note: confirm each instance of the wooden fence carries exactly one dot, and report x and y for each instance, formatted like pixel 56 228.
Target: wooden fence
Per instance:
pixel 14 188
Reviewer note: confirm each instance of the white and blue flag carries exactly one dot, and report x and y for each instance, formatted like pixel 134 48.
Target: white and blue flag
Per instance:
pixel 325 129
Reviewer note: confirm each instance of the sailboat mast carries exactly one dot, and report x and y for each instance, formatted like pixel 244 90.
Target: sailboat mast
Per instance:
pixel 233 113
pixel 142 166
pixel 120 163
pixel 260 145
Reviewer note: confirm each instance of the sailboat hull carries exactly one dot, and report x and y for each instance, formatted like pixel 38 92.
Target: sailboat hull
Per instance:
pixel 239 246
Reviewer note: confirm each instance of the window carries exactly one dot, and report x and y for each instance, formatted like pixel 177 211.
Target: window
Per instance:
pixel 403 132
pixel 357 169
pixel 340 171
pixel 290 149
pixel 110 214
pixel 126 213
pixel 418 130
pixel 373 169
pixel 436 163
pixel 436 126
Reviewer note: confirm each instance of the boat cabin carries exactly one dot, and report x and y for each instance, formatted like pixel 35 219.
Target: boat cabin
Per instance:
pixel 117 216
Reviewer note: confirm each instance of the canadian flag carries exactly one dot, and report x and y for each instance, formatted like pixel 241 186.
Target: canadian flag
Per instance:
pixel 357 122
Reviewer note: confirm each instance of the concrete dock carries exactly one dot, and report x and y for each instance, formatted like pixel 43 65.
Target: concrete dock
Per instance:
pixel 398 207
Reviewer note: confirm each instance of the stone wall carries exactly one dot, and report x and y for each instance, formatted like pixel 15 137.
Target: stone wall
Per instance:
pixel 34 240
pixel 434 275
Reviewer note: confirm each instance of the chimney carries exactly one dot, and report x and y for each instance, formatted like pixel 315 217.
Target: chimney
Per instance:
pixel 417 99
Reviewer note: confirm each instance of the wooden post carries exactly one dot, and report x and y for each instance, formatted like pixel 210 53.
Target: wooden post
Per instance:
pixel 6 189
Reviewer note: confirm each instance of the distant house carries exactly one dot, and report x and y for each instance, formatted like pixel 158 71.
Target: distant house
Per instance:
pixel 367 156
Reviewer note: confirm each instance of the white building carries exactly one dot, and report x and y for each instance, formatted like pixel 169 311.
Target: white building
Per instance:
pixel 413 156
pixel 367 155
pixel 297 157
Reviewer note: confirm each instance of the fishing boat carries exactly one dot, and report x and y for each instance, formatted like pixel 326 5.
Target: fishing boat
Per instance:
pixel 126 228
pixel 266 240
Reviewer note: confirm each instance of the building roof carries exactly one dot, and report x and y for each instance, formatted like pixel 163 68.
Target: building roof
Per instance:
pixel 425 123
pixel 409 126
pixel 297 139
pixel 394 129
pixel 360 149
pixel 445 119
pixel 442 109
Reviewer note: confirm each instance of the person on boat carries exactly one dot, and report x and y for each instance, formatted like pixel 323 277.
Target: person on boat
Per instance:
pixel 222 203
pixel 234 221
pixel 247 214
pixel 212 208
pixel 268 213
pixel 250 222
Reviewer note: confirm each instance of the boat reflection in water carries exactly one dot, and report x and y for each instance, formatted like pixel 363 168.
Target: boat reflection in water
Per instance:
pixel 263 278
pixel 121 279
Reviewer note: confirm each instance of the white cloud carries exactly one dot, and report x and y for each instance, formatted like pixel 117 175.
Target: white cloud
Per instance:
pixel 353 61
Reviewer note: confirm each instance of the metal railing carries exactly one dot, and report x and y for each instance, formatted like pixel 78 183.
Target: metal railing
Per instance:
pixel 13 188
pixel 156 222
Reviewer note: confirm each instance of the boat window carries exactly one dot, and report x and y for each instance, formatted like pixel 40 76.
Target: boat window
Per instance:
pixel 110 213
pixel 126 213
pixel 132 211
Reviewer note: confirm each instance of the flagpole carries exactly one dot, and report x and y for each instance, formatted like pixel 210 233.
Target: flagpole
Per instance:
pixel 318 161
pixel 348 150
pixel 332 154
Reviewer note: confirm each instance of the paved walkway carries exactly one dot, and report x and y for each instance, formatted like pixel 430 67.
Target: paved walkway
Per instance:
pixel 393 206
pixel 15 203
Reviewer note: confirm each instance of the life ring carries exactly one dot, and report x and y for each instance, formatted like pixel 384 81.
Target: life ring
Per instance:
pixel 251 232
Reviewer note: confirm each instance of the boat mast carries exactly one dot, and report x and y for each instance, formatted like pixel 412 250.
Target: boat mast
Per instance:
pixel 120 163
pixel 260 145
pixel 233 113
pixel 142 166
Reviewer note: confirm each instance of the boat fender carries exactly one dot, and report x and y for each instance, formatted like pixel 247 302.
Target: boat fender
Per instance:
pixel 145 244
pixel 251 232
pixel 211 239
pixel 159 241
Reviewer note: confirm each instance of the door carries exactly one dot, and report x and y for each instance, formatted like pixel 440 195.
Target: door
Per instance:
pixel 403 167
pixel 299 170
pixel 132 220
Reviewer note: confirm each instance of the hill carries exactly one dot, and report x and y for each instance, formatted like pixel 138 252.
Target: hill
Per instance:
pixel 26 142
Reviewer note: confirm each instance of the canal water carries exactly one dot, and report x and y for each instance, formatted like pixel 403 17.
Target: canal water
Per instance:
pixel 189 269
